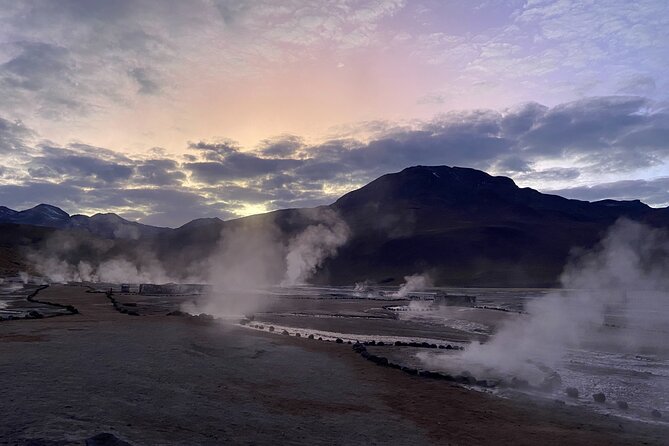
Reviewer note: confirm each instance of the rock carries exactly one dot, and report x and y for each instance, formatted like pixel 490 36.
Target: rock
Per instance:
pixel 181 313
pixel 380 343
pixel 399 343
pixel 271 328
pixel 285 332
pixel 310 336
pixel 571 392
pixel 379 360
pixel 449 347
pixel 71 309
pixel 599 397
pixel 655 413
pixel 106 439
pixel 297 335
pixel 339 341
pixel 622 405
pixel 409 370
pixel 35 314
pixel 359 348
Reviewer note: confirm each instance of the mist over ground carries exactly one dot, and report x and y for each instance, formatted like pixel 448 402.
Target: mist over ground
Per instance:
pixel 614 298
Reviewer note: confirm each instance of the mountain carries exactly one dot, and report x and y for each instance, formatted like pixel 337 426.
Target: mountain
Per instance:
pixel 108 226
pixel 41 215
pixel 462 226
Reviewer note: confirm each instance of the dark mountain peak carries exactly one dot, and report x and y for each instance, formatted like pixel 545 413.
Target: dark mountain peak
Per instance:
pixel 459 176
pixel 48 209
pixel 429 185
pixel 6 212
pixel 40 215
pixel 201 222
pixel 109 217
pixel 623 204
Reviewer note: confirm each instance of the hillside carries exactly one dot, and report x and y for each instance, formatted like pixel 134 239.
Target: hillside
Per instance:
pixel 463 226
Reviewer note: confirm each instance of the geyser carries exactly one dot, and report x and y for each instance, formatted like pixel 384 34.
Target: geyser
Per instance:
pixel 253 256
pixel 614 298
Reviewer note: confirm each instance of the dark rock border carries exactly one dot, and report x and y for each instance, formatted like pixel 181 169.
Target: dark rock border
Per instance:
pixel 31 298
pixel 119 306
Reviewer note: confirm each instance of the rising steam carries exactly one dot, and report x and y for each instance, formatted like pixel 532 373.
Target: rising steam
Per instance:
pixel 252 257
pixel 308 250
pixel 614 297
pixel 67 257
pixel 413 283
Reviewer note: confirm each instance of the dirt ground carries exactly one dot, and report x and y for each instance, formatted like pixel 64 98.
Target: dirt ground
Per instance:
pixel 165 380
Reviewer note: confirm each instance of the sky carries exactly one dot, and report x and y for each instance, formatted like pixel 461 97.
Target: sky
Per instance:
pixel 165 111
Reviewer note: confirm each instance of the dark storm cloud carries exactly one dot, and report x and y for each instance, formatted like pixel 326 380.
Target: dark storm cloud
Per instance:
pixel 584 126
pixel 58 163
pixel 226 162
pixel 159 172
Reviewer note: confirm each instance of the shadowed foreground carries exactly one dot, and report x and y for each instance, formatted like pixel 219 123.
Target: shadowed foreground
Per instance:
pixel 169 380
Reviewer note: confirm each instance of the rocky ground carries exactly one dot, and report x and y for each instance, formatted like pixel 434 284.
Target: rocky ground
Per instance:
pixel 153 380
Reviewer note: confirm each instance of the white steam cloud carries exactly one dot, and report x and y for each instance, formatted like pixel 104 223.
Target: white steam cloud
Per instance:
pixel 413 283
pixel 615 297
pixel 253 257
pixel 61 260
pixel 308 250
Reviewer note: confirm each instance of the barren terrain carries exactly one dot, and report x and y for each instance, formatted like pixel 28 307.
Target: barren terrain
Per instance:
pixel 186 381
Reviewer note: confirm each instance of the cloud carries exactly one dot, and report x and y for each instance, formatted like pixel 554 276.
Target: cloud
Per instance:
pixel 225 161
pixel 655 191
pixel 547 147
pixel 13 136
pixel 281 146
pixel 159 172
pixel 147 83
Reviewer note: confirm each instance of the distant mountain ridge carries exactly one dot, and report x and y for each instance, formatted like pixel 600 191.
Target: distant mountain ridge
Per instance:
pixel 460 225
pixel 109 226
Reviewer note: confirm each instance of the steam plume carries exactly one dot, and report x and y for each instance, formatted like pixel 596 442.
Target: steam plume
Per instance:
pixel 623 282
pixel 414 282
pixel 308 250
